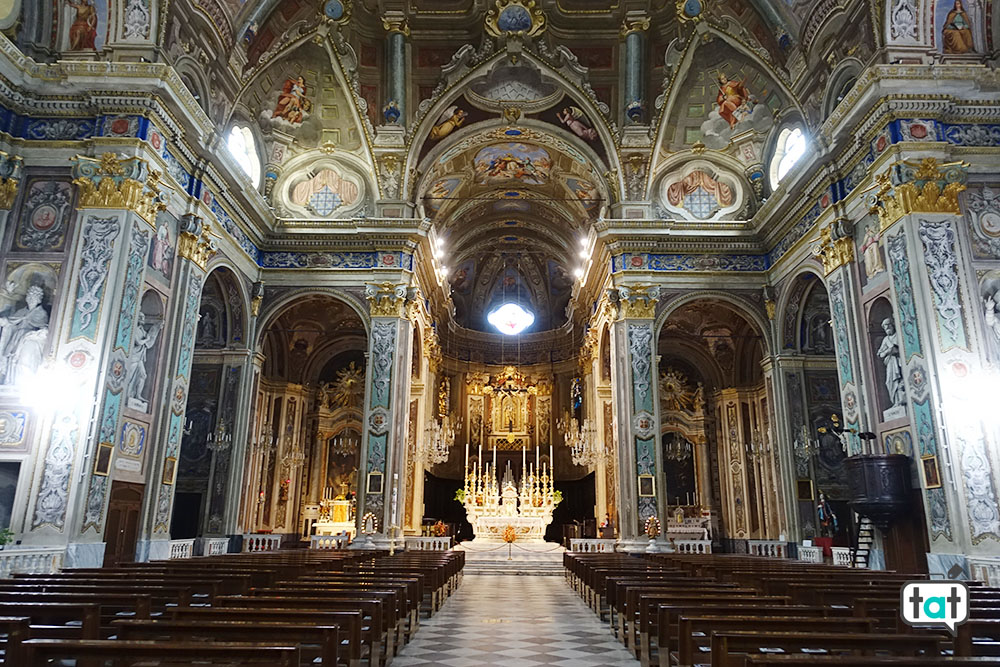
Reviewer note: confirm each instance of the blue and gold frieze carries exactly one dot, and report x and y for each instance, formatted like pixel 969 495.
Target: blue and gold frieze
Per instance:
pixel 684 262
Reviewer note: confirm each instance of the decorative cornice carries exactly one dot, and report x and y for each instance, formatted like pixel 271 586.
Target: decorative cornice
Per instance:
pixel 836 245
pixel 924 187
pixel 196 241
pixel 116 183
pixel 11 168
pixel 387 299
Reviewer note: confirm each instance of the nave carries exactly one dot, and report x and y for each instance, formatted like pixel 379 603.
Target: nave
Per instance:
pixel 517 621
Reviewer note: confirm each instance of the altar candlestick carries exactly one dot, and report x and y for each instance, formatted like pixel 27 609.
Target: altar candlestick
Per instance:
pixel 494 458
pixel 466 457
pixel 524 459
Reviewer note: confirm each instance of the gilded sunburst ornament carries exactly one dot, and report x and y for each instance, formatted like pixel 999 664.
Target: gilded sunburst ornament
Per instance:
pixel 346 391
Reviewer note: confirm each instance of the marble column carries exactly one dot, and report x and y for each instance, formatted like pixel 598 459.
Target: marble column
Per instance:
pixel 118 202
pixel 634 32
pixel 381 483
pixel 636 412
pixel 950 387
pixel 195 246
pixel 837 252
pixel 396 75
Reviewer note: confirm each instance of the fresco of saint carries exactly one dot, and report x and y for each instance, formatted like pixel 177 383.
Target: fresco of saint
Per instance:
pixel 956 34
pixel 734 100
pixel 83 30
pixel 293 105
pixel 574 118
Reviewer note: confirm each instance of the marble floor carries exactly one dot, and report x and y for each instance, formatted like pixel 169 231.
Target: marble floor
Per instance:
pixel 515 621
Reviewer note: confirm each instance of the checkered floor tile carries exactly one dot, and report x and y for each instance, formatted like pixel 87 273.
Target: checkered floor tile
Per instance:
pixel 514 621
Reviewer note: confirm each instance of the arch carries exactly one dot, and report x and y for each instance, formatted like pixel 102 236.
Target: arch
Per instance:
pixel 316 161
pixel 274 310
pixel 789 309
pixel 192 74
pixel 454 92
pixel 752 315
pixel 230 305
pixel 842 79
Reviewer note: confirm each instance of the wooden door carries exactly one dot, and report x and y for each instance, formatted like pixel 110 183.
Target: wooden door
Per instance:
pixel 123 523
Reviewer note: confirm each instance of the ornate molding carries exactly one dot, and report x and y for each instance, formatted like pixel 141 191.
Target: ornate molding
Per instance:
pixel 115 183
pixel 196 242
pixel 387 299
pixel 836 245
pixel 924 187
pixel 396 23
pixel 11 168
pixel 634 24
pixel 635 302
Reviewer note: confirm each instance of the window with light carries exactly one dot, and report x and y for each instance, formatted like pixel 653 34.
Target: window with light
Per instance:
pixel 510 319
pixel 243 147
pixel 789 149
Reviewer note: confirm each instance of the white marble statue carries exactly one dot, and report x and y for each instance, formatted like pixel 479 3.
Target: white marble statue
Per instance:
pixel 135 368
pixel 22 338
pixel 992 317
pixel 888 351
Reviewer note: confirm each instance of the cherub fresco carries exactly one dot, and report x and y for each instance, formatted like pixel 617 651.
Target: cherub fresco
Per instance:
pixel 577 121
pixel 450 120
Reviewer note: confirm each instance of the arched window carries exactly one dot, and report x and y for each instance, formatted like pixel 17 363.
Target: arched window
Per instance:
pixel 244 149
pixel 787 151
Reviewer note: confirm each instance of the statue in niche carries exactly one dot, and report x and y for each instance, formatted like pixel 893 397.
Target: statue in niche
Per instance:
pixel 135 368
pixel 208 328
pixel 22 337
pixel 874 264
pixel 992 316
pixel 888 352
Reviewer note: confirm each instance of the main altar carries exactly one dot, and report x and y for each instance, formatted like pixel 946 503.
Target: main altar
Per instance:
pixel 510 413
pixel 494 507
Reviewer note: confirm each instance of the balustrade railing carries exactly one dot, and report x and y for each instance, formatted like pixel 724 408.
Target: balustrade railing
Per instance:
pixel 258 543
pixel 693 546
pixel 768 548
pixel 428 543
pixel 842 556
pixel 216 546
pixel 591 545
pixel 986 570
pixel 329 541
pixel 810 554
pixel 31 560
pixel 181 549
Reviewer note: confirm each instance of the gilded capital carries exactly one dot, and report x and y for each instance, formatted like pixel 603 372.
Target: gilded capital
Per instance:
pixel 630 25
pixel 257 299
pixel 635 302
pixel 917 187
pixel 836 246
pixel 196 241
pixel 11 168
pixel 387 299
pixel 114 182
pixel 396 24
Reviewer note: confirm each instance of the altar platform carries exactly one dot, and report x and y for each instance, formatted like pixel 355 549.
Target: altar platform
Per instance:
pixel 527 558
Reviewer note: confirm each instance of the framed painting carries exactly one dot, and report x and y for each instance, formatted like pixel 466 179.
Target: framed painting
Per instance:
pixel 374 483
pixel 804 489
pixel 932 474
pixel 647 486
pixel 102 462
pixel 170 470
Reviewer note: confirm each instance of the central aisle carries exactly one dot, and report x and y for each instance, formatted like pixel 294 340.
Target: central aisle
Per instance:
pixel 516 621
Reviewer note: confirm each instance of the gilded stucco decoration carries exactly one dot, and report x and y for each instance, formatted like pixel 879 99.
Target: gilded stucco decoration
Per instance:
pixel 112 182
pixel 918 187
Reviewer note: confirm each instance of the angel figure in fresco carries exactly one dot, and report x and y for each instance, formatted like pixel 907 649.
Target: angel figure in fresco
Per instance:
pixel 956 34
pixel 574 118
pixel 293 105
pixel 83 30
pixel 734 100
pixel 874 264
pixel 452 119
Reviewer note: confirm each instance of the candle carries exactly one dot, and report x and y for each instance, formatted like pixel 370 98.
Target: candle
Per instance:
pixel 466 457
pixel 480 451
pixel 551 459
pixel 538 457
pixel 494 458
pixel 524 459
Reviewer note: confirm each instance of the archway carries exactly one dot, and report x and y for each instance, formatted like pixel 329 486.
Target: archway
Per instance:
pixel 716 419
pixel 301 472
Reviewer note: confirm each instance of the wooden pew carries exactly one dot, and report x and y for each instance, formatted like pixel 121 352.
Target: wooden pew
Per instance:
pixel 799 660
pixel 325 638
pixel 730 648
pixel 45 651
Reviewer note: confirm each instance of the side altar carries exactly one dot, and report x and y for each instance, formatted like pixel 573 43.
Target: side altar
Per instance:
pixel 493 507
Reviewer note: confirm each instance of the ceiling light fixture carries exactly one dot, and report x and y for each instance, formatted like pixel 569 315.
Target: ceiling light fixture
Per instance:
pixel 510 319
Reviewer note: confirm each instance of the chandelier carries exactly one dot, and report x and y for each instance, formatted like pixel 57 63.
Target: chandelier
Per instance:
pixel 219 441
pixel 294 458
pixel 581 440
pixel 440 436
pixel 345 443
pixel 678 449
pixel 757 448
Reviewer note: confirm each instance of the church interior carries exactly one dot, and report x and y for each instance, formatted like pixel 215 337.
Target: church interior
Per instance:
pixel 516 332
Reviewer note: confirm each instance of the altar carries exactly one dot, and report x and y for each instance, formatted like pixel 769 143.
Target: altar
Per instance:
pixel 335 518
pixel 502 512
